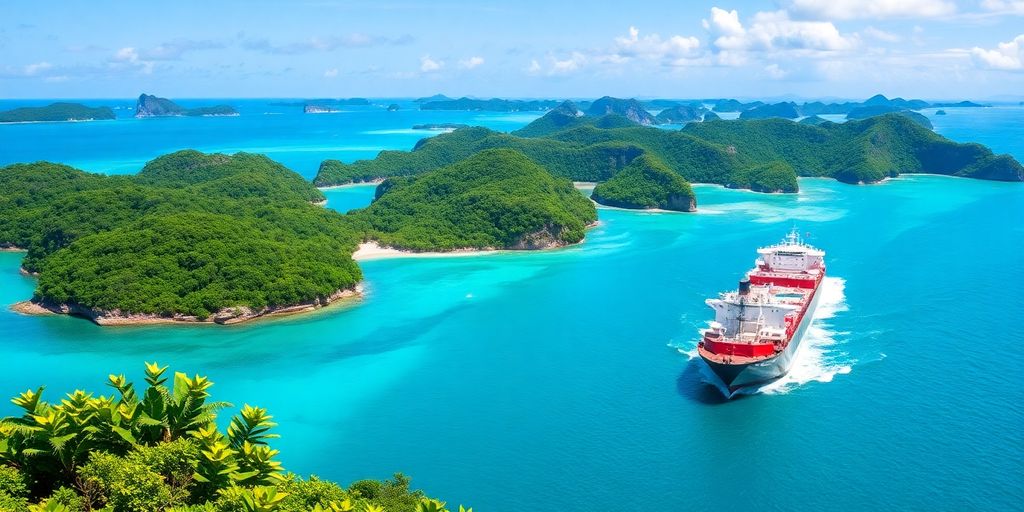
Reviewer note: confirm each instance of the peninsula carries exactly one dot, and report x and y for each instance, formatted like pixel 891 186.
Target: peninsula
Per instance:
pixel 53 112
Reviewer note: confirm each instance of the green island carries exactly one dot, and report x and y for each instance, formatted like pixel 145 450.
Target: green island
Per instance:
pixel 60 111
pixel 737 153
pixel 153 106
pixel 646 183
pixel 783 110
pixel 495 199
pixel 199 237
pixel 159 447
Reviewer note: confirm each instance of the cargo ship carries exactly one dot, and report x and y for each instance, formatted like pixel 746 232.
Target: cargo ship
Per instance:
pixel 758 328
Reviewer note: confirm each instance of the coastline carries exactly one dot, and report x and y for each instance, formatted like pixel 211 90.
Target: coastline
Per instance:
pixel 374 251
pixel 226 316
pixel 375 182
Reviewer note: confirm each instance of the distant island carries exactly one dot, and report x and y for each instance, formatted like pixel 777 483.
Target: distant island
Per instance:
pixel 646 183
pixel 439 126
pixel 783 110
pixel 629 108
pixel 680 114
pixel 60 111
pixel 877 110
pixel 319 109
pixel 224 239
pixel 394 107
pixel 940 113
pixel 436 97
pixel 878 104
pixel 153 106
pixel 491 105
pixel 765 155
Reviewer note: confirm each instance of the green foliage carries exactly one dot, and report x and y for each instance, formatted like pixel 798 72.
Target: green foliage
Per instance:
pixel 191 234
pixel 172 458
pixel 494 199
pixel 646 183
pixel 56 112
pixel 775 176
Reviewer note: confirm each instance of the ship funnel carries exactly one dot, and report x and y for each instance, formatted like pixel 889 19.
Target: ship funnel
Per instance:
pixel 744 286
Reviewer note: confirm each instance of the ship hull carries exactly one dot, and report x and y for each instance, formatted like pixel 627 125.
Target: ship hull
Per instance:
pixel 739 376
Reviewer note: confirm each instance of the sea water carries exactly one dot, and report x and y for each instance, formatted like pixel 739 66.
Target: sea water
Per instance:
pixel 563 380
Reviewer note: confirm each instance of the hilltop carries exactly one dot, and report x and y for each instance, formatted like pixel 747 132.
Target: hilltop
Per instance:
pixel 644 184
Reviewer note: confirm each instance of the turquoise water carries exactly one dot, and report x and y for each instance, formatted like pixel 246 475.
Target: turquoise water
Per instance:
pixel 563 380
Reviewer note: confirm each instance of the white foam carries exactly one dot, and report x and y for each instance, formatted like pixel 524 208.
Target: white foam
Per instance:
pixel 818 358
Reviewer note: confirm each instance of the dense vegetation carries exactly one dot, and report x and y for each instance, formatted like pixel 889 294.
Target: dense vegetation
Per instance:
pixel 190 234
pixel 877 110
pixel 491 105
pixel 783 110
pixel 494 199
pixel 646 183
pixel 159 448
pixel 857 151
pixel 153 106
pixel 680 114
pixel 595 149
pixel 56 112
pixel 629 108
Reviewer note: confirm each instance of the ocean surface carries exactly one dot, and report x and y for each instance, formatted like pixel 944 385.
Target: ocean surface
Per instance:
pixel 565 380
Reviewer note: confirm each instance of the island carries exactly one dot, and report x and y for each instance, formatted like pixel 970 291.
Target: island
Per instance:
pixel 393 107
pixel 491 105
pixel 734 153
pixel 877 103
pixel 60 111
pixel 680 114
pixel 940 112
pixel 436 97
pixel 814 120
pixel 153 106
pixel 319 109
pixel 495 199
pixel 646 183
pixel 629 108
pixel 224 239
pixel 438 127
pixel 785 110
pixel 877 110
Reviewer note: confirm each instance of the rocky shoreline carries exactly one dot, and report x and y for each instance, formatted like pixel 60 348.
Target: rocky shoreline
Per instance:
pixel 226 316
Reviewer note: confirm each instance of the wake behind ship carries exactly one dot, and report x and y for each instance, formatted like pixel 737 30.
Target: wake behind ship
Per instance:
pixel 758 328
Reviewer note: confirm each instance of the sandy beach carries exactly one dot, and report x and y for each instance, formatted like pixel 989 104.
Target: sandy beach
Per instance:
pixel 357 184
pixel 374 251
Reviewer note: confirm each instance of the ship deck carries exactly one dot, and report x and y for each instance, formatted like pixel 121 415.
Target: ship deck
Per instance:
pixel 730 359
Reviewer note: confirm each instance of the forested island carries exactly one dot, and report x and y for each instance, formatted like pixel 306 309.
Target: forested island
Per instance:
pixel 646 183
pixel 760 154
pixel 60 111
pixel 215 238
pixel 153 106
pixel 158 447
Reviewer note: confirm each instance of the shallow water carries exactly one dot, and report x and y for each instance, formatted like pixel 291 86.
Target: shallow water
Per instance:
pixel 561 379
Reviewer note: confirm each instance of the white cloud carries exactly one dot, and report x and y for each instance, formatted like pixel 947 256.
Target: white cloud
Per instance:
pixel 35 69
pixel 534 67
pixel 127 54
pixel 331 73
pixel 653 47
pixel 568 65
pixel 875 9
pixel 771 32
pixel 471 62
pixel 775 71
pixel 428 65
pixel 1007 56
pixel 882 35
pixel 1004 6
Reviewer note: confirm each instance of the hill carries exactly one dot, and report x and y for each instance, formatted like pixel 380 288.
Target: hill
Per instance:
pixel 783 110
pixel 153 106
pixel 646 183
pixel 629 108
pixel 56 112
pixel 496 199
pixel 679 114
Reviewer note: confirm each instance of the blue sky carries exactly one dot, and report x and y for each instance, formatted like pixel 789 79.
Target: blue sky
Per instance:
pixel 808 48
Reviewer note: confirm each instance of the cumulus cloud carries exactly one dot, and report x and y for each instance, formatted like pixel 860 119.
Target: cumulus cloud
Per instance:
pixel 429 65
pixel 653 47
pixel 575 61
pixel 471 62
pixel 771 32
pixel 1007 56
pixel 128 57
pixel 1004 6
pixel 331 73
pixel 774 71
pixel 876 9
pixel 126 54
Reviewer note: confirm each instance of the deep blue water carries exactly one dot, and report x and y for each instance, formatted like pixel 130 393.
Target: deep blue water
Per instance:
pixel 562 381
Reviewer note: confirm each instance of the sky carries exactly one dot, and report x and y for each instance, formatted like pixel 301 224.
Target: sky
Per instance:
pixel 930 49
